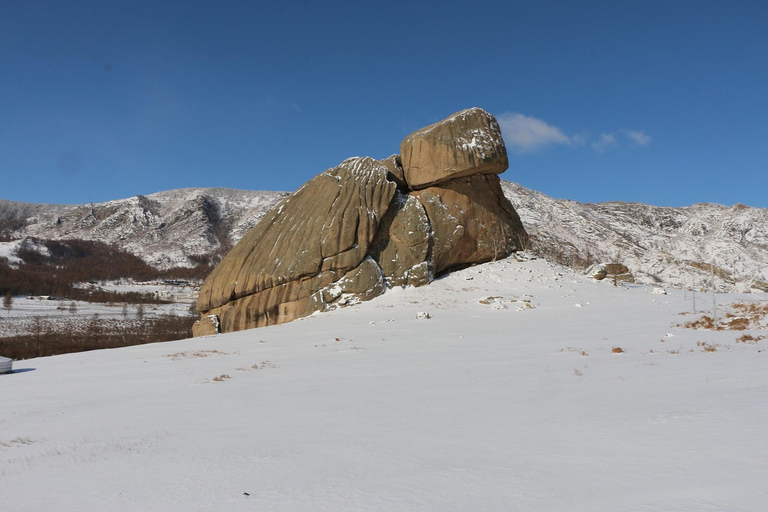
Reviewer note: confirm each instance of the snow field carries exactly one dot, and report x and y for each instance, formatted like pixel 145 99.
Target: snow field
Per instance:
pixel 488 405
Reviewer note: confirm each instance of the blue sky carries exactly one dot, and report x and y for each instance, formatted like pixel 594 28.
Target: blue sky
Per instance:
pixel 657 102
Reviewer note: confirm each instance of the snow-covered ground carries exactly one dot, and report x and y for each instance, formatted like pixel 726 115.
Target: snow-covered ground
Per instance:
pixel 490 404
pixel 16 321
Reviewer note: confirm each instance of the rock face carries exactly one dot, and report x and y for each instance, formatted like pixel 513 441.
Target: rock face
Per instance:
pixel 464 144
pixel 356 229
pixel 471 220
pixel 402 247
pixel 310 240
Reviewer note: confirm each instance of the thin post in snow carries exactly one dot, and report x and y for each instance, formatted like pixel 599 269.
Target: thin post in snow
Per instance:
pixel 714 298
pixel 693 287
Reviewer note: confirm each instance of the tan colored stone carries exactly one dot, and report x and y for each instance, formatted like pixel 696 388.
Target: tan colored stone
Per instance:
pixel 207 325
pixel 472 222
pixel 311 239
pixel 361 283
pixel 615 269
pixel 402 245
pixel 464 144
pixel 395 171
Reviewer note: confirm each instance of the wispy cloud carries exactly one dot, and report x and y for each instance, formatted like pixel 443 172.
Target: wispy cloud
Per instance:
pixel 526 134
pixel 638 137
pixel 604 142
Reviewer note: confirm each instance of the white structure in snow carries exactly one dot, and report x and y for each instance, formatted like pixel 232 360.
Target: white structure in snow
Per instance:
pixel 6 365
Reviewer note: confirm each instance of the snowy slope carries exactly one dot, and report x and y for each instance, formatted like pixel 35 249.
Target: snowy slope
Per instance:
pixel 488 405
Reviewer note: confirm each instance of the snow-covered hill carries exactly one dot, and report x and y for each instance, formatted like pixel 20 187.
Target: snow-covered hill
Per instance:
pixel 512 396
pixel 660 245
pixel 165 229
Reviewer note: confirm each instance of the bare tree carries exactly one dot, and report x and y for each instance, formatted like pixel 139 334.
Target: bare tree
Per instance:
pixel 8 302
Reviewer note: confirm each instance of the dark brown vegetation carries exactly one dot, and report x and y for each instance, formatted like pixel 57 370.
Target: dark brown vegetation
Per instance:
pixel 70 262
pixel 60 336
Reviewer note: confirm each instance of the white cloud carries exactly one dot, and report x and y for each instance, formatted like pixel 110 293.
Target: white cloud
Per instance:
pixel 525 134
pixel 638 137
pixel 606 141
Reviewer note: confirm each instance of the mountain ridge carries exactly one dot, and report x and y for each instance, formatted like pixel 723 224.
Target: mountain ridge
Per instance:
pixel 661 245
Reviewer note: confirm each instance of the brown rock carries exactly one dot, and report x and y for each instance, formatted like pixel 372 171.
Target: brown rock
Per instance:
pixel 206 326
pixel 311 239
pixel 472 221
pixel 615 269
pixel 466 143
pixel 361 283
pixel 395 171
pixel 403 242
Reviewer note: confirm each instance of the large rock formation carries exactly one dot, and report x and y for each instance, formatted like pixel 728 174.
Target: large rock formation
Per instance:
pixel 356 229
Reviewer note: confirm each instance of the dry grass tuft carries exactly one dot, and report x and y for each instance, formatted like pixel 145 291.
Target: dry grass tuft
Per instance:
pixel 706 347
pixel 745 338
pixel 200 353
pixel 742 316
pixel 221 377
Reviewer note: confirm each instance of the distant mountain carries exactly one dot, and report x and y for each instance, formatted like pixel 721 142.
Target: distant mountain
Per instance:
pixel 166 229
pixel 660 245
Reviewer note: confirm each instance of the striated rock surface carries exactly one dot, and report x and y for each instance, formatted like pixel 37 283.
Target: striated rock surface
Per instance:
pixel 313 238
pixel 472 222
pixel 468 142
pixel 402 247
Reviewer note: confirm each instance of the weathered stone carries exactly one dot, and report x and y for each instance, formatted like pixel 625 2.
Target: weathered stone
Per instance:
pixel 466 143
pixel 402 244
pixel 206 326
pixel 311 239
pixel 362 283
pixel 596 271
pixel 472 222
pixel 395 171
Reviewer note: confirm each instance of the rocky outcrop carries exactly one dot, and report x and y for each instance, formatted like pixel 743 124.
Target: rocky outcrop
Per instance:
pixel 310 240
pixel 615 272
pixel 464 144
pixel 356 229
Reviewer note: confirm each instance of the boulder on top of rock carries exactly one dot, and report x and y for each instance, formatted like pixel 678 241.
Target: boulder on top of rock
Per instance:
pixel 472 222
pixel 466 143
pixel 313 238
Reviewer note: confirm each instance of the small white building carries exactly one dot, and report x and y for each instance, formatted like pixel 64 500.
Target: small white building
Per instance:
pixel 6 365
